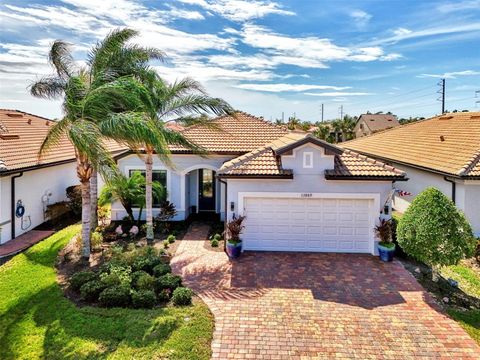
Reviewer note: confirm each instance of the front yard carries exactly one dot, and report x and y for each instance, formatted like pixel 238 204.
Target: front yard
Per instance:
pixel 37 321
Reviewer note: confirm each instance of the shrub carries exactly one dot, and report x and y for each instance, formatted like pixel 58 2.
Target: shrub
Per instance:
pixel 96 240
pixel 145 282
pixel 164 295
pixel 115 296
pixel 116 275
pixel 166 244
pixel 74 195
pixel 137 274
pixel 217 237
pixel 146 262
pixel 182 296
pixel 168 281
pixel 434 231
pixel 171 238
pixel 91 290
pixel 383 231
pixel 80 278
pixel 214 242
pixel 161 269
pixel 143 299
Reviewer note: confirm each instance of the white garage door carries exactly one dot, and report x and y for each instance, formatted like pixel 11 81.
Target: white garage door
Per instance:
pixel 308 224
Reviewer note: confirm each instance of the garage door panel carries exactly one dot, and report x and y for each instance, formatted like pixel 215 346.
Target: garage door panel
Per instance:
pixel 312 224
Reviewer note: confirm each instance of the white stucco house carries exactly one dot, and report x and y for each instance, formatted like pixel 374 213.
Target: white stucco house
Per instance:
pixel 443 152
pixel 24 179
pixel 298 193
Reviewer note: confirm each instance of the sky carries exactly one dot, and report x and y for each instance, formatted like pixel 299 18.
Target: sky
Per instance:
pixel 266 57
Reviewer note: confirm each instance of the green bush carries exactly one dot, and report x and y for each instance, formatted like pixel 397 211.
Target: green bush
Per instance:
pixel 80 278
pixel 115 296
pixel 96 240
pixel 164 295
pixel 91 290
pixel 171 239
pixel 434 231
pixel 217 237
pixel 166 244
pixel 145 282
pixel 116 275
pixel 168 281
pixel 161 269
pixel 214 242
pixel 146 263
pixel 143 299
pixel 182 296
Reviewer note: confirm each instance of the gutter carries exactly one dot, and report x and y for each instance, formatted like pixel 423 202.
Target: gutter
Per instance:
pixel 12 202
pixel 454 188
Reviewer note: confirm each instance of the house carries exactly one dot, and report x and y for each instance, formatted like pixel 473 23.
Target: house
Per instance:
pixel 24 179
pixel 368 124
pixel 298 193
pixel 443 152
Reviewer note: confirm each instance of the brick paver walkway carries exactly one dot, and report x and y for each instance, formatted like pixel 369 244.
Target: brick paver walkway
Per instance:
pixel 321 306
pixel 23 241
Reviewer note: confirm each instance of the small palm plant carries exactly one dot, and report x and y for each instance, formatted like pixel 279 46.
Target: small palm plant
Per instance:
pixel 130 192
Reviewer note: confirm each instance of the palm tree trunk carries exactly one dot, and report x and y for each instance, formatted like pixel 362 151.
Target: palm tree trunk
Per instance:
pixel 94 200
pixel 148 193
pixel 86 212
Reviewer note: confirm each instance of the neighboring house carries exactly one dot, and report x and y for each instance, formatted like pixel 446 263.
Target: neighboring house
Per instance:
pixel 443 152
pixel 298 193
pixel 24 179
pixel 368 124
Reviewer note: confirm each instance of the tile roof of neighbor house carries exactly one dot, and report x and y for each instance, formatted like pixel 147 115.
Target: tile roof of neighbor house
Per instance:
pixel 232 135
pixel 377 122
pixel 449 144
pixel 21 137
pixel 266 162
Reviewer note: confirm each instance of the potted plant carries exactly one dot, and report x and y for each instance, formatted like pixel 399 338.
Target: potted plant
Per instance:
pixel 234 244
pixel 386 247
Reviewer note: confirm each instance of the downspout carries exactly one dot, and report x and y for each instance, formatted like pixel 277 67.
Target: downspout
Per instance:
pixel 12 202
pixel 454 188
pixel 225 216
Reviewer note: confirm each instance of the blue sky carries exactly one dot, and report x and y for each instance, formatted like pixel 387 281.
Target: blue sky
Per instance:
pixel 267 57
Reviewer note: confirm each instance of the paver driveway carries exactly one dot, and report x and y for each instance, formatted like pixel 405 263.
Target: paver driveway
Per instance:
pixel 302 306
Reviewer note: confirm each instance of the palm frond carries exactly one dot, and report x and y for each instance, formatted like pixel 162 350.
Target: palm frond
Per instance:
pixel 60 56
pixel 55 134
pixel 194 104
pixel 75 91
pixel 48 87
pixel 176 138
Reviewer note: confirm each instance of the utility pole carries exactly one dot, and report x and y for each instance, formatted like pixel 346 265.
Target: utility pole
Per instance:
pixel 283 116
pixel 322 113
pixel 477 92
pixel 441 91
pixel 341 112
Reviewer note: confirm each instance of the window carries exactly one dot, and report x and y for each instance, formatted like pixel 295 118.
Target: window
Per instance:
pixel 308 160
pixel 159 176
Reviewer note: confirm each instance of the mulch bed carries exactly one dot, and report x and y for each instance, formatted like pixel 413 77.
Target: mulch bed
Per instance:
pixel 219 248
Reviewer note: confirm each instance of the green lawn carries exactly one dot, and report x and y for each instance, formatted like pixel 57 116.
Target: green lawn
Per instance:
pixel 37 321
pixel 468 279
pixel 469 320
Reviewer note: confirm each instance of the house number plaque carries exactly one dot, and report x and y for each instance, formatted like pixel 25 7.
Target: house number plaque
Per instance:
pixel 306 195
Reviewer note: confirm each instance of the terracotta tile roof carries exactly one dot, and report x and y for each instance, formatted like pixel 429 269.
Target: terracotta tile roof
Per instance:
pixel 235 135
pixel 265 161
pixel 377 122
pixel 22 137
pixel 448 143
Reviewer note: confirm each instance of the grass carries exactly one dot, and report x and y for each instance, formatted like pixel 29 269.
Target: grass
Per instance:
pixel 38 322
pixel 469 320
pixel 468 279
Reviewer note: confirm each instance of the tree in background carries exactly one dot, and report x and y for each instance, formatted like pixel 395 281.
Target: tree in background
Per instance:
pixel 322 132
pixel 434 231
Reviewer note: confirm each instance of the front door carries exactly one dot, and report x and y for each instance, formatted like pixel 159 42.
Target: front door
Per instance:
pixel 206 190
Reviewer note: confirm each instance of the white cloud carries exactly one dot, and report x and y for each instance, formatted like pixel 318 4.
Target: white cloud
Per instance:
pixel 459 6
pixel 288 87
pixel 241 10
pixel 450 75
pixel 338 93
pixel 401 31
pixel 361 18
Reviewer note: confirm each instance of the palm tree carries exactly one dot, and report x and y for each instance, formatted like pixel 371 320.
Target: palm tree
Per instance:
pixel 347 124
pixel 72 84
pixel 322 131
pixel 109 60
pixel 337 129
pixel 154 103
pixel 130 191
pixel 79 123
